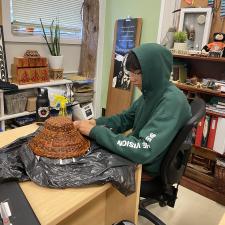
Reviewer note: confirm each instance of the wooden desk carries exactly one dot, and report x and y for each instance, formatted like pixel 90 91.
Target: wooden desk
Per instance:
pixel 96 205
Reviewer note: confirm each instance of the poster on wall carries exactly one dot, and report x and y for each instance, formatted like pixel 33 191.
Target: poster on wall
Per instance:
pixel 3 64
pixel 125 41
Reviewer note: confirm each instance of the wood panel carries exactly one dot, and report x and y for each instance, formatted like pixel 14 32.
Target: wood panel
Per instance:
pixel 89 45
pixel 217 23
pixel 95 209
pixel 203 190
pixel 205 152
pixel 119 99
pixel 119 207
pixel 200 177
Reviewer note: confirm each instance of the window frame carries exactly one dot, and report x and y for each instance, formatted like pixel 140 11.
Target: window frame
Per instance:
pixel 10 37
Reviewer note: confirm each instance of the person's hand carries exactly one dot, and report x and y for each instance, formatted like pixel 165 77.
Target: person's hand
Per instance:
pixel 93 122
pixel 84 126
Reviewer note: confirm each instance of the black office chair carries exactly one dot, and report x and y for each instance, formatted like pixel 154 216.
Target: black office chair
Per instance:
pixel 164 188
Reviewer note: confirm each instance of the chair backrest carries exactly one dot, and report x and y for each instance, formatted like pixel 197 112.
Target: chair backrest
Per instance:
pixel 175 160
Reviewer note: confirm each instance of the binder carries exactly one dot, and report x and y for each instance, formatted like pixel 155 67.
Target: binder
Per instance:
pixel 22 213
pixel 199 132
pixel 219 143
pixel 212 132
pixel 205 131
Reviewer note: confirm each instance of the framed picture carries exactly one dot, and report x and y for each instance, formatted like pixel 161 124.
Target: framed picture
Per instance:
pixel 197 23
pixel 3 63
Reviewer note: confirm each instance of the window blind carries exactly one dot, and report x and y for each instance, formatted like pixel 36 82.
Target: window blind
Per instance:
pixel 27 13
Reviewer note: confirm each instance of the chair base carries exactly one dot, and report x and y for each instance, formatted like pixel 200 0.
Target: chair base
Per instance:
pixel 151 217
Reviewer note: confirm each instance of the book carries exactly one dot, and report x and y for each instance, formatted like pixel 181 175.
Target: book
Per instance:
pixel 199 132
pixel 219 143
pixel 212 132
pixel 205 131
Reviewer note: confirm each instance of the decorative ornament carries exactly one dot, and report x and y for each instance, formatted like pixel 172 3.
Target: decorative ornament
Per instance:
pixel 31 53
pixel 201 19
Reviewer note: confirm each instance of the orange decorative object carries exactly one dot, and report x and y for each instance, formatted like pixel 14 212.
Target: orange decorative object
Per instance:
pixel 30 69
pixel 29 75
pixel 190 2
pixel 30 62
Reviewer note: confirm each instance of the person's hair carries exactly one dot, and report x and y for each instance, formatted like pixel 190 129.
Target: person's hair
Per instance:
pixel 132 62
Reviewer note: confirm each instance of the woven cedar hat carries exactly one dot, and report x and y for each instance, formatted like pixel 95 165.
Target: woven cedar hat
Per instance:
pixel 59 139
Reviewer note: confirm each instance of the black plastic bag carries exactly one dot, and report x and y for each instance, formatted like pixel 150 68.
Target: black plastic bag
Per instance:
pixel 98 166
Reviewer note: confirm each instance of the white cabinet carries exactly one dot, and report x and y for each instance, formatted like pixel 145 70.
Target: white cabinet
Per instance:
pixel 4 117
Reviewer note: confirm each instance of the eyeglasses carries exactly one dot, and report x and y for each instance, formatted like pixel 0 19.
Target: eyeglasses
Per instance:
pixel 136 72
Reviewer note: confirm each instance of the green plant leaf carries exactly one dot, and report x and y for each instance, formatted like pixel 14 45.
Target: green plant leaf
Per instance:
pixel 54 39
pixel 180 36
pixel 45 37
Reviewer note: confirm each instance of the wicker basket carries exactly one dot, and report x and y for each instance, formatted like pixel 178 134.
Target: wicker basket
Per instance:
pixel 59 139
pixel 15 103
pixel 220 176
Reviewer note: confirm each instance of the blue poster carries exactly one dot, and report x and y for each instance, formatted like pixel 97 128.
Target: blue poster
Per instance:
pixel 125 41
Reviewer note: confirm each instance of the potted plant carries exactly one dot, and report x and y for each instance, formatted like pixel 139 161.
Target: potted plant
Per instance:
pixel 180 38
pixel 53 43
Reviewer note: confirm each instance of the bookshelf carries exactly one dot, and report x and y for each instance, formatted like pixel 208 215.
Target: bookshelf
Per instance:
pixel 195 179
pixel 194 89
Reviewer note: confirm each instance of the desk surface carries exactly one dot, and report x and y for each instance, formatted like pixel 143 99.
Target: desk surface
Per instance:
pixel 51 206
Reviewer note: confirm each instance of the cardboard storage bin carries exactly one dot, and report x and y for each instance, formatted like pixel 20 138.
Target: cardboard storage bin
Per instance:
pixel 15 103
pixel 31 104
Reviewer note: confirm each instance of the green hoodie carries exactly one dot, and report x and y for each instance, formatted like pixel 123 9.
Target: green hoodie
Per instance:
pixel 155 117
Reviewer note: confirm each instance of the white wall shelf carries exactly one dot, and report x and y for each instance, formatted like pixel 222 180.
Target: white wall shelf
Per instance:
pixel 4 117
pixel 8 117
pixel 44 84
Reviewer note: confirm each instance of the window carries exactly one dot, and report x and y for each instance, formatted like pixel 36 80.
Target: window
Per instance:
pixel 25 16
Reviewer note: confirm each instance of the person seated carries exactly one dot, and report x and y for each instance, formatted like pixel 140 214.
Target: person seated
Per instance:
pixel 155 117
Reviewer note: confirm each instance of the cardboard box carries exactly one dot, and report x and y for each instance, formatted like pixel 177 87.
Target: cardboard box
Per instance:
pixel 31 104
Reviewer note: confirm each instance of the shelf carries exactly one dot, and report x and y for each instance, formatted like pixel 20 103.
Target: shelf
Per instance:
pixel 202 58
pixel 45 84
pixel 190 88
pixel 211 113
pixel 196 175
pixel 203 67
pixel 206 152
pixel 7 117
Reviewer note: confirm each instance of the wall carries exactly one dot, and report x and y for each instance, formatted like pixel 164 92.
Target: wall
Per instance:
pixel 217 22
pixel 71 54
pixel 167 18
pixel 149 10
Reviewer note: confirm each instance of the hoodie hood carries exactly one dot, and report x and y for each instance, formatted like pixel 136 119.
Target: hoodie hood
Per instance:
pixel 156 66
